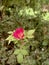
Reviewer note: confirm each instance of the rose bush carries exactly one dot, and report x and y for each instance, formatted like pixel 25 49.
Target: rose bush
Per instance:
pixel 20 37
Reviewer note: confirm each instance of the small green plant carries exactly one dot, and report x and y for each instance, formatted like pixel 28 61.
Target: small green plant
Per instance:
pixel 20 38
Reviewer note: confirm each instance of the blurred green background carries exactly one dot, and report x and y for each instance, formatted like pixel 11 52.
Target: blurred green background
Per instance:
pixel 29 14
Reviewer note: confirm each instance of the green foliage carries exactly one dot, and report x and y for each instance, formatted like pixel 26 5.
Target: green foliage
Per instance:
pixel 29 14
pixel 20 54
pixel 46 16
pixel 22 51
pixel 45 43
pixel 11 38
pixel 46 62
pixel 29 33
pixel 17 51
pixel 20 58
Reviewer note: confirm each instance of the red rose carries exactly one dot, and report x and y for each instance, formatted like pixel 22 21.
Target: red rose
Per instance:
pixel 18 33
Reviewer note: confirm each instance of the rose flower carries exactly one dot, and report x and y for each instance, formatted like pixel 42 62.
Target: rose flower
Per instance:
pixel 18 33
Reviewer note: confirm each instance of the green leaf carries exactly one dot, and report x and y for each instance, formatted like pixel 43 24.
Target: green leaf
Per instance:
pixel 29 34
pixel 10 32
pixel 45 43
pixel 11 38
pixel 24 52
pixel 20 58
pixel 17 51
